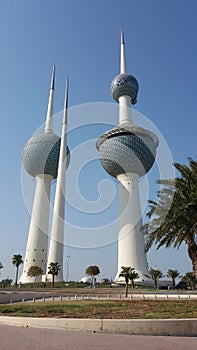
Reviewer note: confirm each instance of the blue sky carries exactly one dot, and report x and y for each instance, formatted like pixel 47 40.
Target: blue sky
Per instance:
pixel 82 38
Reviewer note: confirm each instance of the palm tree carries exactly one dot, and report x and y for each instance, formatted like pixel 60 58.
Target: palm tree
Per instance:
pixel 174 216
pixel 125 273
pixel 173 274
pixel 17 260
pixel 129 274
pixel 133 276
pixel 53 270
pixel 155 275
pixel 191 279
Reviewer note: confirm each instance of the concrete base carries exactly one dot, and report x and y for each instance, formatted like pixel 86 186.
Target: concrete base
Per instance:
pixel 91 325
pixel 167 327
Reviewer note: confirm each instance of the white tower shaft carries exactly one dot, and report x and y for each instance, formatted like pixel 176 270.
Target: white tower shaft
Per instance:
pixel 130 239
pixel 36 251
pixel 125 112
pixel 56 249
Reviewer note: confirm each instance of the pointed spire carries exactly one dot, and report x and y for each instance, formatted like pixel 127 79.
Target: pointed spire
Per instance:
pixel 63 146
pixel 122 36
pixel 53 79
pixel 123 67
pixel 56 248
pixel 66 102
pixel 48 125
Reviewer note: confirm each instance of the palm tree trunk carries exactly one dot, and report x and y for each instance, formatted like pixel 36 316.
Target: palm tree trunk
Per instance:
pixel 53 280
pixel 173 284
pixel 192 252
pixel 132 283
pixel 126 289
pixel 16 280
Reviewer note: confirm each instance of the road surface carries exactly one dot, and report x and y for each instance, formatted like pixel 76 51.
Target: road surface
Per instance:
pixel 7 296
pixel 23 338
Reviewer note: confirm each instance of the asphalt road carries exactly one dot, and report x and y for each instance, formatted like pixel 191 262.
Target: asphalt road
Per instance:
pixel 12 338
pixel 8 296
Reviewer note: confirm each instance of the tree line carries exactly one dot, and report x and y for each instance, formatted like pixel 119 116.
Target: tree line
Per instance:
pixel 129 274
pixel 34 271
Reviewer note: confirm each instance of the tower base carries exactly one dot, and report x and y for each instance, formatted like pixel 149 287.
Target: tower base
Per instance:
pixel 130 240
pixel 143 277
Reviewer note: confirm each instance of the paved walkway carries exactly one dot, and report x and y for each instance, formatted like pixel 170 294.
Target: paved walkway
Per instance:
pixel 12 338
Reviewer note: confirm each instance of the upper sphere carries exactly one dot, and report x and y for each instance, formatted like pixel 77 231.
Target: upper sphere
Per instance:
pixel 124 84
pixel 41 154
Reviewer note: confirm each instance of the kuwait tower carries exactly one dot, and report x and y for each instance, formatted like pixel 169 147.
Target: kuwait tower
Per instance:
pixel 56 249
pixel 127 152
pixel 40 159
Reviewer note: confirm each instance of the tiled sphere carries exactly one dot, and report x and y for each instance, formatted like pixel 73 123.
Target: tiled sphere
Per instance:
pixel 125 151
pixel 124 84
pixel 41 154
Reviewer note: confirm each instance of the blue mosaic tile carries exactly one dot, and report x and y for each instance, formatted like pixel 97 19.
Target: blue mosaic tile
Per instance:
pixel 122 151
pixel 41 154
pixel 124 84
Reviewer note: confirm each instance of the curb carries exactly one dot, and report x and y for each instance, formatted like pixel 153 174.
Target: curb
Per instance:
pixel 163 327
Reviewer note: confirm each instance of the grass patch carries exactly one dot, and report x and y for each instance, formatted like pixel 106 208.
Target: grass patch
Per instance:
pixel 104 309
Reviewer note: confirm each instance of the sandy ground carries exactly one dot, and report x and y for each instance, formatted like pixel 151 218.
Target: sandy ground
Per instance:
pixel 12 338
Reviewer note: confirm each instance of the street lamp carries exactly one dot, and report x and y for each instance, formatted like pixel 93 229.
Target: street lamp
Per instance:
pixel 67 268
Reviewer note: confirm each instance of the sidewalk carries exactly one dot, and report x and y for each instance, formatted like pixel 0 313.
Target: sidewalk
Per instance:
pixel 12 338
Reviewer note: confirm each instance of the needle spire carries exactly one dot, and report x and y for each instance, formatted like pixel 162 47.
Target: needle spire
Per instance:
pixel 48 126
pixel 66 102
pixel 123 68
pixel 56 249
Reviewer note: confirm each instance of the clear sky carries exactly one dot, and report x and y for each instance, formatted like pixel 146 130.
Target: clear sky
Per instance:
pixel 82 38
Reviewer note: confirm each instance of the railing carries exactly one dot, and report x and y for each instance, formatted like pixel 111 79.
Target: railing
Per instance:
pixel 133 296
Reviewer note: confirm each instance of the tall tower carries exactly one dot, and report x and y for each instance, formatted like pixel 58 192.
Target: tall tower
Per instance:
pixel 56 248
pixel 40 158
pixel 127 152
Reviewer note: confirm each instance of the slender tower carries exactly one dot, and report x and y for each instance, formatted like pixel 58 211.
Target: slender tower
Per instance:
pixel 40 158
pixel 56 248
pixel 127 152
